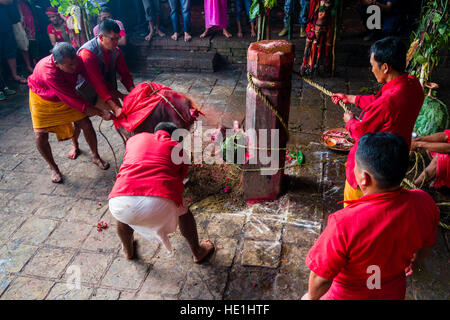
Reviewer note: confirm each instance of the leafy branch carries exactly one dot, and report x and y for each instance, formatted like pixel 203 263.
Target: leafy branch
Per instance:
pixel 430 39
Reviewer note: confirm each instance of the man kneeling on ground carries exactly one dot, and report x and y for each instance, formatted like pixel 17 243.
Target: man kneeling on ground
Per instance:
pixel 148 194
pixel 368 248
pixel 55 105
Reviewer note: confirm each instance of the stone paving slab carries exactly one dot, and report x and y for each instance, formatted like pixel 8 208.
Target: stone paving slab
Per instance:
pixel 46 229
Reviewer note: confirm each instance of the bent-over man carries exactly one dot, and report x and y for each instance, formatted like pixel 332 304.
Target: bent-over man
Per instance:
pixel 55 105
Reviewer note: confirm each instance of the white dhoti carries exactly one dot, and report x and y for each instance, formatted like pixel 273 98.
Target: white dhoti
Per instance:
pixel 151 217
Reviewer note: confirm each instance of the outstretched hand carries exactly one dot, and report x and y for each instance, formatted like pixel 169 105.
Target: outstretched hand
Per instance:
pixel 339 97
pixel 348 116
pixel 106 115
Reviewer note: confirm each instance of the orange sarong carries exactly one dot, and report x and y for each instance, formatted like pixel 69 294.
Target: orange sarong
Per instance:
pixel 56 117
pixel 350 193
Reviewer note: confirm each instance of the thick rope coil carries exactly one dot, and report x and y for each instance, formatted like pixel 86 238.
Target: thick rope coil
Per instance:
pixel 267 102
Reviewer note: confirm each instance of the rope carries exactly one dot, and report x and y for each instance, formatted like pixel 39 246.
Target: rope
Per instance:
pixel 322 89
pixel 165 99
pixel 116 169
pixel 267 102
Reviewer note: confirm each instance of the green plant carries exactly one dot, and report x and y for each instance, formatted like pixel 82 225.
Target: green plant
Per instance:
pixel 433 117
pixel 430 39
pixel 86 6
pixel 261 9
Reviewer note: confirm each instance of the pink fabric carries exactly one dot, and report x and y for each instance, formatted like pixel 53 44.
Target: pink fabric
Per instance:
pixel 122 29
pixel 216 14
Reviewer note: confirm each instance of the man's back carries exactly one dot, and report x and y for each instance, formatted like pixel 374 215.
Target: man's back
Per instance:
pixel 148 170
pixel 377 232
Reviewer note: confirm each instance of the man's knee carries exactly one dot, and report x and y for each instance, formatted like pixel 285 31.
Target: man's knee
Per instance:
pixel 41 137
pixel 84 123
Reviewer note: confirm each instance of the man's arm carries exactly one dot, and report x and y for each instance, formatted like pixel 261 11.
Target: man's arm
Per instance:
pixel 371 122
pixel 437 137
pixel 125 75
pixel 418 258
pixel 318 286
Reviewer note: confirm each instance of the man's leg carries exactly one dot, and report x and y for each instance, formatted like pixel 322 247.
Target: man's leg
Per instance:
pixel 75 150
pixel 13 68
pixel 91 139
pixel 44 148
pixel 303 17
pixel 186 11
pixel 188 229
pixel 286 19
pixel 125 233
pixel 174 18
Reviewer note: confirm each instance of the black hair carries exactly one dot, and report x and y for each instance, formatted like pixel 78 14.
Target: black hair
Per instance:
pixel 170 127
pixel 108 26
pixel 62 50
pixel 385 156
pixel 105 10
pixel 390 50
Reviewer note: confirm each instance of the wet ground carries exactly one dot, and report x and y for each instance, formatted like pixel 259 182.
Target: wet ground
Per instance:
pixel 46 229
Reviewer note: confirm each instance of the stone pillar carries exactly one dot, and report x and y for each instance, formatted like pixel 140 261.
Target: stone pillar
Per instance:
pixel 270 64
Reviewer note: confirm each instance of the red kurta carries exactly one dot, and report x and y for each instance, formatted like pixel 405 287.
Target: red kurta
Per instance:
pixel 90 61
pixel 52 84
pixel 443 167
pixel 394 109
pixel 383 230
pixel 148 170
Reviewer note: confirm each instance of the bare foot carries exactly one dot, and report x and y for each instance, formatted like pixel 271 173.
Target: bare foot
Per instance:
pixel 205 33
pixel 149 36
pixel 56 176
pixel 206 249
pixel 175 36
pixel 239 34
pixel 187 37
pixel 160 33
pixel 21 80
pixel 226 33
pixel 74 152
pixel 253 34
pixel 100 163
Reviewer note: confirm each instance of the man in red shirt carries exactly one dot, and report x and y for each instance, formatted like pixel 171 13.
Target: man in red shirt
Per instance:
pixel 55 105
pixel 148 194
pixel 368 248
pixel 103 59
pixel 394 109
pixel 438 147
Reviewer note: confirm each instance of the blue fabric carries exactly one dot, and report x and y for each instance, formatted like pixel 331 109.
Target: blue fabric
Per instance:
pixel 185 11
pixel 8 45
pixel 239 6
pixel 289 11
pixel 152 9
pixel 5 21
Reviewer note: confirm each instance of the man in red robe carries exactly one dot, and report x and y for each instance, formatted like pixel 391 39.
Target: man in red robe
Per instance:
pixel 369 248
pixel 394 109
pixel 55 105
pixel 148 194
